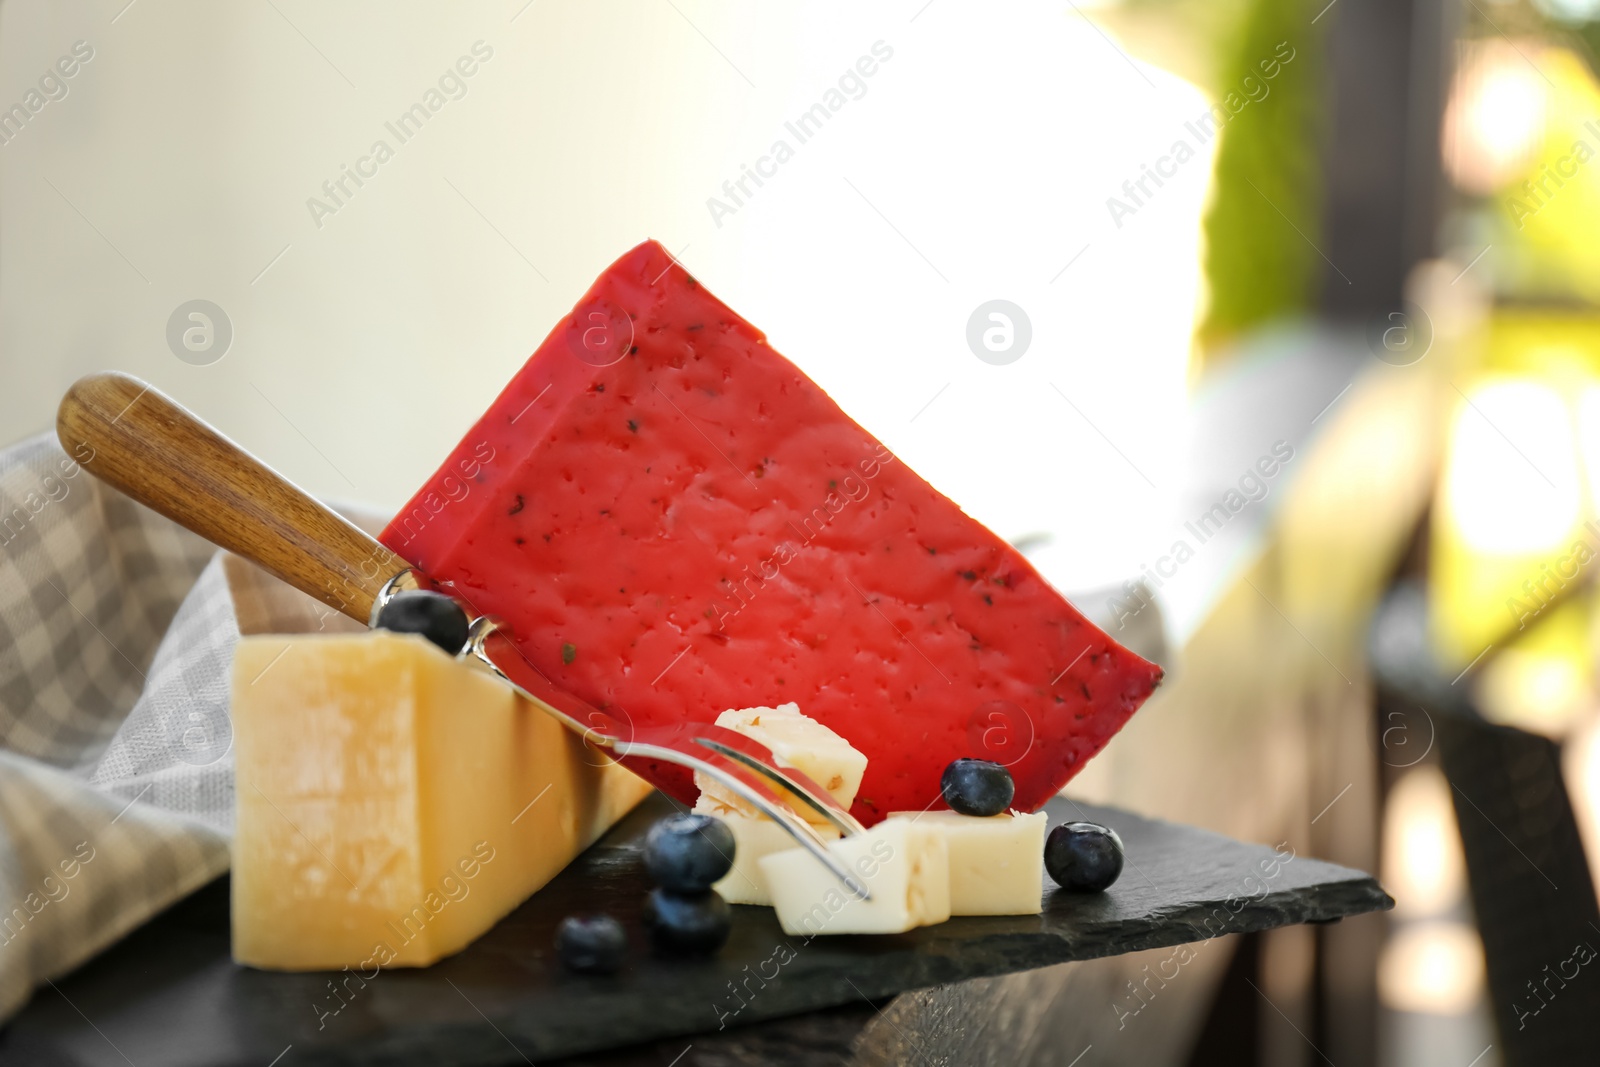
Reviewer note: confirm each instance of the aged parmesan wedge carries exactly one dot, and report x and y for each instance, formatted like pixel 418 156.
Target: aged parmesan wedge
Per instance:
pixel 906 867
pixel 754 836
pixel 996 863
pixel 394 803
pixel 796 741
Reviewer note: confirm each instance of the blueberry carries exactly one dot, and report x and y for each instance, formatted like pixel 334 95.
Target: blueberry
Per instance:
pixel 1084 857
pixel 687 924
pixel 977 787
pixel 592 944
pixel 687 853
pixel 433 615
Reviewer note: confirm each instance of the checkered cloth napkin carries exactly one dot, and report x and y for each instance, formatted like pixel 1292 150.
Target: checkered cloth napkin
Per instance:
pixel 117 630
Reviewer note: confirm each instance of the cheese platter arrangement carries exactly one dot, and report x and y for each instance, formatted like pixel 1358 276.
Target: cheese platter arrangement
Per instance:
pixel 676 677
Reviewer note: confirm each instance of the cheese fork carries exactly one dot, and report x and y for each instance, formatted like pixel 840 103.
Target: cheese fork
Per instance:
pixel 137 439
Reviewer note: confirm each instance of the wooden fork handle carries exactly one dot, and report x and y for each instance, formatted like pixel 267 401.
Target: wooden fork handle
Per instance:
pixel 139 440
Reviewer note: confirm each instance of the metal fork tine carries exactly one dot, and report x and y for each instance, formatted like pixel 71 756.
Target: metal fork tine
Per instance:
pixel 791 781
pixel 739 779
pixel 743 766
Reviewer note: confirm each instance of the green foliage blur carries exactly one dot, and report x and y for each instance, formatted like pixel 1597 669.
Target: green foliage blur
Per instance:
pixel 1258 269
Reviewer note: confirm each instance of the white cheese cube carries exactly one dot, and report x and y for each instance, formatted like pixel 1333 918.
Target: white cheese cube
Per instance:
pixel 905 866
pixel 754 837
pixel 996 863
pixel 799 742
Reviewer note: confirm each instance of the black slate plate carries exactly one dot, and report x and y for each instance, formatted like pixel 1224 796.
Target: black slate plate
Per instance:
pixel 169 994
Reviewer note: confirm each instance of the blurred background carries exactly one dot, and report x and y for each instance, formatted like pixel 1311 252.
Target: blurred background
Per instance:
pixel 1270 329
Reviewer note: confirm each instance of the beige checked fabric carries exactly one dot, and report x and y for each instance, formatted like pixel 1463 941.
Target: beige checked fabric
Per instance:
pixel 117 631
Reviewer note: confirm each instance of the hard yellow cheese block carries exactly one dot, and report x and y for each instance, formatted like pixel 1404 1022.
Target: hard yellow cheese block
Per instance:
pixel 796 741
pixel 996 863
pixel 394 803
pixel 754 837
pixel 906 868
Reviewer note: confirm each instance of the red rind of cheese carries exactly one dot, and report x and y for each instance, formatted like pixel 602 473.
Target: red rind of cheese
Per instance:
pixel 673 520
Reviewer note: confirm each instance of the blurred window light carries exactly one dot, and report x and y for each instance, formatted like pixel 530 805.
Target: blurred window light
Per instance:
pixel 1542 219
pixel 1512 534
pixel 1574 11
pixel 1542 690
pixel 1434 968
pixel 1589 443
pixel 891 349
pixel 1512 480
pixel 1494 121
pixel 1423 867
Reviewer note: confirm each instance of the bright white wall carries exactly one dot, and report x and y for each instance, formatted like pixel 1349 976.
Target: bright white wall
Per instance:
pixel 990 141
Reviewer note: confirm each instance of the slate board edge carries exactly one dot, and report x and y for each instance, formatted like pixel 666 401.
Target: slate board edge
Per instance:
pixel 1329 903
pixel 512 1037
pixel 878 977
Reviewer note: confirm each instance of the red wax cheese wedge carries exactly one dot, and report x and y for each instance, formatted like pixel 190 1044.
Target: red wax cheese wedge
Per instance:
pixel 673 520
